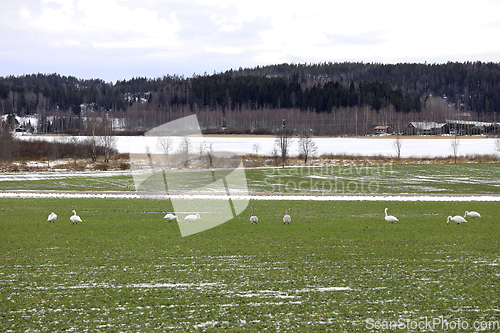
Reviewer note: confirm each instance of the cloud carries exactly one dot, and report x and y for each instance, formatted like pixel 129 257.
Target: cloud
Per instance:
pixel 102 24
pixel 182 37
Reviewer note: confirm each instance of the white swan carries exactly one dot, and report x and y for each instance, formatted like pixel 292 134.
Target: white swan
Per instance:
pixel 52 217
pixel 253 218
pixel 457 218
pixel 390 218
pixel 472 214
pixel 192 218
pixel 287 218
pixel 170 217
pixel 75 218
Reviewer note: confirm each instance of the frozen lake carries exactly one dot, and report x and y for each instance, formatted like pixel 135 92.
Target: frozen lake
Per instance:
pixel 412 147
pixel 351 146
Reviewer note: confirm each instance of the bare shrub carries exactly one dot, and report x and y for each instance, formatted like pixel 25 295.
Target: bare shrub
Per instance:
pixel 124 165
pixel 101 166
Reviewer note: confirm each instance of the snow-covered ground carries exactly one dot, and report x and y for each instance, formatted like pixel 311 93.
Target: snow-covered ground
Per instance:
pixel 439 147
pixel 368 146
pixel 340 197
pixel 420 147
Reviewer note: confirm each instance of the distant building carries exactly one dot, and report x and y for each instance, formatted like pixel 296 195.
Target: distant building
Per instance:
pixel 452 127
pixel 425 128
pixel 383 129
pixel 468 127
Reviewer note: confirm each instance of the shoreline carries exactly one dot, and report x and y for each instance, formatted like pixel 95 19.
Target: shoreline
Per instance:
pixel 402 137
pixel 388 136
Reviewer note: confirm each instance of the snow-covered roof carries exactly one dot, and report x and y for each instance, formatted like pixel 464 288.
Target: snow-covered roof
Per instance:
pixel 472 123
pixel 33 120
pixel 426 125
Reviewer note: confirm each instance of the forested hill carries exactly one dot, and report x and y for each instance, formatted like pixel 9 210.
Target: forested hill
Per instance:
pixel 473 86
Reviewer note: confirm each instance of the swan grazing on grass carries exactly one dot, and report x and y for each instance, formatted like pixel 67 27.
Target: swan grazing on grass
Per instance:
pixel 75 218
pixel 459 219
pixel 287 218
pixel 472 214
pixel 170 217
pixel 192 218
pixel 390 218
pixel 52 217
pixel 253 218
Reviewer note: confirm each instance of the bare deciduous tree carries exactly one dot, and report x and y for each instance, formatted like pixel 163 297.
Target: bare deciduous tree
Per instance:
pixel 256 148
pixel 74 141
pixel 6 140
pixel 210 149
pixel 93 139
pixel 274 154
pixel 497 145
pixel 150 157
pixel 307 147
pixel 200 148
pixel 455 143
pixel 184 148
pixel 397 144
pixel 54 147
pixel 165 144
pixel 107 141
pixel 283 142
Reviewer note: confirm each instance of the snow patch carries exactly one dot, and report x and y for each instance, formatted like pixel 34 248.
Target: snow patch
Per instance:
pixel 214 196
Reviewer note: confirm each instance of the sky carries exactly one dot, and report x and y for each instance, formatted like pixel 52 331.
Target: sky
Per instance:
pixel 121 39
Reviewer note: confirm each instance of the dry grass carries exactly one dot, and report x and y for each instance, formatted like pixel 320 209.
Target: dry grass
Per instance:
pixel 117 162
pixel 122 162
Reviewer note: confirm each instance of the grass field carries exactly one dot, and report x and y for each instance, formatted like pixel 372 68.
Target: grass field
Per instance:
pixel 473 178
pixel 339 266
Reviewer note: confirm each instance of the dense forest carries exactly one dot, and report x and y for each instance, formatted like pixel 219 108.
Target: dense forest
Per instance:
pixel 325 99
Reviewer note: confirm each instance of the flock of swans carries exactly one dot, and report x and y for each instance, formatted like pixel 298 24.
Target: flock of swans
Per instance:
pixel 389 218
pixel 190 218
pixel 74 218
pixel 286 218
pixel 457 218
pixel 253 218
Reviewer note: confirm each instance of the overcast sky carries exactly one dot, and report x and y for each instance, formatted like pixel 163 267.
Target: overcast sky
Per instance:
pixel 120 39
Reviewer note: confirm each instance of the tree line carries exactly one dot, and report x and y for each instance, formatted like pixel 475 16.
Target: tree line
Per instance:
pixel 13 148
pixel 227 91
pixel 257 92
pixel 353 95
pixel 472 86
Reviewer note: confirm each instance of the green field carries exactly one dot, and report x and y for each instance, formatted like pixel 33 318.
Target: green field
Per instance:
pixel 475 178
pixel 339 266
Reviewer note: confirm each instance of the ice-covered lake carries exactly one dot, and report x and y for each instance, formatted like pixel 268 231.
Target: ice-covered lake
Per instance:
pixel 411 147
